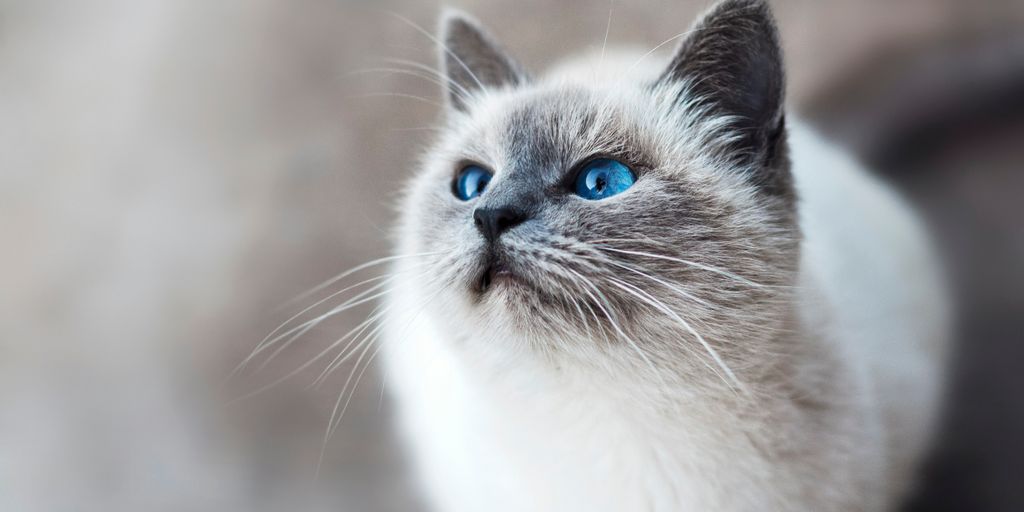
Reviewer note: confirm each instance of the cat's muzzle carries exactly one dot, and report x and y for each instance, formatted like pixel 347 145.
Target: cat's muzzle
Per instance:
pixel 494 271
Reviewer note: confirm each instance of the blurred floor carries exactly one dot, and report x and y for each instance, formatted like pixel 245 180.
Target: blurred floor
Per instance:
pixel 172 172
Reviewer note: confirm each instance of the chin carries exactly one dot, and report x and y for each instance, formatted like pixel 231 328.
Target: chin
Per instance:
pixel 509 297
pixel 507 304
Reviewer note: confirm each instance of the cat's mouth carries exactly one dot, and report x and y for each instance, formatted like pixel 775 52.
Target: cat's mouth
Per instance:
pixel 495 273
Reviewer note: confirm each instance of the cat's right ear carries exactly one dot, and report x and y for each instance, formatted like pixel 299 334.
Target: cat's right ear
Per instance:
pixel 472 60
pixel 732 62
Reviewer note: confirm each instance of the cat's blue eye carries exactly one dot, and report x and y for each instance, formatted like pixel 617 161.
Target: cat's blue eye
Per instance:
pixel 471 182
pixel 603 178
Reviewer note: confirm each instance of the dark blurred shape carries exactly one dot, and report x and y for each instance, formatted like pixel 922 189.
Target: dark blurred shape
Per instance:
pixel 945 122
pixel 908 103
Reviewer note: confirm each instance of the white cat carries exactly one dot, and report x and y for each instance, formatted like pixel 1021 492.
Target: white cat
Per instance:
pixel 628 285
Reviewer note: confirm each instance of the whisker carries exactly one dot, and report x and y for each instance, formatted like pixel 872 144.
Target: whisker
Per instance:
pixel 607 30
pixel 398 95
pixel 419 129
pixel 646 297
pixel 408 72
pixel 611 320
pixel 670 286
pixel 353 332
pixel 355 269
pixel 693 264
pixel 303 366
pixel 363 297
pixel 345 354
pixel 663 43
pixel 652 50
pixel 352 392
pixel 444 82
pixel 264 342
pixel 576 279
pixel 444 47
pixel 333 423
pixel 575 303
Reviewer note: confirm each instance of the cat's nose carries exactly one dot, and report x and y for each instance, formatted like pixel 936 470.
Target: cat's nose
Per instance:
pixel 492 222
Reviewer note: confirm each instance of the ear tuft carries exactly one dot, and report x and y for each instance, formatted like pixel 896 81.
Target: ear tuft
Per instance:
pixel 733 62
pixel 472 60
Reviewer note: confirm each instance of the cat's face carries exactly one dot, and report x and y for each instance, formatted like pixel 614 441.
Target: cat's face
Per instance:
pixel 569 211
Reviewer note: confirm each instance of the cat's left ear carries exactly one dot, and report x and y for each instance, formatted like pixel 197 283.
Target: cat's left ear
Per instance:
pixel 472 60
pixel 732 62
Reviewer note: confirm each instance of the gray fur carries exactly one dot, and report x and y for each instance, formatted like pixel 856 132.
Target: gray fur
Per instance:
pixel 734 63
pixel 473 60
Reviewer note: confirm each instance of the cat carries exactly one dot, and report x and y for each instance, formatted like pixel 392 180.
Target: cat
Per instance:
pixel 638 285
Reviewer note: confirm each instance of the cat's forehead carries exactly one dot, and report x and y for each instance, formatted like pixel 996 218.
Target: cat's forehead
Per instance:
pixel 549 128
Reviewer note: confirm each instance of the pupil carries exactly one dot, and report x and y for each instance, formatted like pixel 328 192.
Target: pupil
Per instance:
pixel 600 183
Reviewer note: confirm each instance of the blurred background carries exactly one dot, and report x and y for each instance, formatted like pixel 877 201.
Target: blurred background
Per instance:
pixel 172 172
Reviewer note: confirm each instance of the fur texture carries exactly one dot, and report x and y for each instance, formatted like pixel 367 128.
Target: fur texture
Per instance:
pixel 756 324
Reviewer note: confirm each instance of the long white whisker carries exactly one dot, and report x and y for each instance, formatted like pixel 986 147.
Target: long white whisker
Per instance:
pixel 663 43
pixel 306 326
pixel 419 129
pixel 333 424
pixel 307 364
pixel 685 262
pixel 670 286
pixel 342 356
pixel 355 269
pixel 334 411
pixel 267 341
pixel 646 297
pixel 398 95
pixel 652 50
pixel 345 354
pixel 397 71
pixel 443 80
pixel 444 47
pixel 352 392
pixel 409 72
pixel 607 30
pixel 576 280
pixel 611 320
pixel 572 299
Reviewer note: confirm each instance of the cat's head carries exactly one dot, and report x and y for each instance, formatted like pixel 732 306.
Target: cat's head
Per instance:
pixel 612 202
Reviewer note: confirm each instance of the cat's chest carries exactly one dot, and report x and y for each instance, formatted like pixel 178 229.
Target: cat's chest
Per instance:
pixel 610 454
pixel 589 448
pixel 528 441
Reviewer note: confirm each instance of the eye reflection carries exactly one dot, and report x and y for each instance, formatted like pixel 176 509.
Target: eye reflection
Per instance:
pixel 603 178
pixel 471 182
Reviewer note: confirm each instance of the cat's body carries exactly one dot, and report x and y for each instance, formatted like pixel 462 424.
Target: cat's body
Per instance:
pixel 812 384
